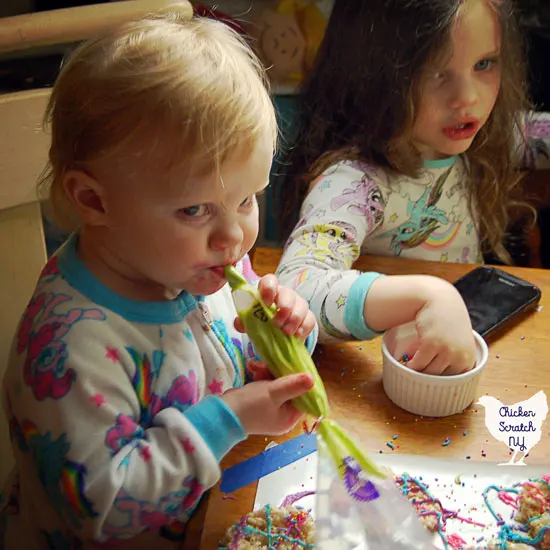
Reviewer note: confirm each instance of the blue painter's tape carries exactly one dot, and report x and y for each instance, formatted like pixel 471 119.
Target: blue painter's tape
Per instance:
pixel 267 462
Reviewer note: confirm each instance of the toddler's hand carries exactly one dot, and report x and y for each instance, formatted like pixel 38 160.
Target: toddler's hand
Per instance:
pixel 447 345
pixel 258 370
pixel 293 313
pixel 265 407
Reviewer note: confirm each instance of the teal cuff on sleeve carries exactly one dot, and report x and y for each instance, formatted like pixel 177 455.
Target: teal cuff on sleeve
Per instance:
pixel 311 340
pixel 353 312
pixel 217 424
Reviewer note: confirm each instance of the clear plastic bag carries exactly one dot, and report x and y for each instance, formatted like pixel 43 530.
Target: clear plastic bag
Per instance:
pixel 356 511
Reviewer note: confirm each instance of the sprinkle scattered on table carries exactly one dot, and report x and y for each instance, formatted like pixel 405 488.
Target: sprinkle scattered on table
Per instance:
pixel 390 445
pixel 447 442
pixel 464 432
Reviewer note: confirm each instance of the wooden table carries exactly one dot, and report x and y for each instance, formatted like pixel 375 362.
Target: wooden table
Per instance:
pixel 519 366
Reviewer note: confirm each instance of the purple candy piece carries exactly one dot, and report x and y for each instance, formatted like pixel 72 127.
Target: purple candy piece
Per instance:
pixel 359 488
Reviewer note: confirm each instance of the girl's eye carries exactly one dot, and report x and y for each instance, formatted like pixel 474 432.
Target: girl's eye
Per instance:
pixel 485 65
pixel 195 211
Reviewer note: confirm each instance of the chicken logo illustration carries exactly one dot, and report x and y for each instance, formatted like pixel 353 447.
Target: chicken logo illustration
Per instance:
pixel 519 426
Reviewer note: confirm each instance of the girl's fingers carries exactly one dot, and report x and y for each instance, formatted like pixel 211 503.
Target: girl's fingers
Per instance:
pixel 422 358
pixel 438 365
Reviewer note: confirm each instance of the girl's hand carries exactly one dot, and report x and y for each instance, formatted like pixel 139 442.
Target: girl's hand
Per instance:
pixel 447 345
pixel 446 342
pixel 265 407
pixel 293 315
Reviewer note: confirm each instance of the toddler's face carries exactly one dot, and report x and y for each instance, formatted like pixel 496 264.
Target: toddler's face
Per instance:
pixel 457 100
pixel 178 232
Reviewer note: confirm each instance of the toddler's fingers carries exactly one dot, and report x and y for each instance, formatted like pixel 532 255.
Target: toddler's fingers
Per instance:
pixel 259 370
pixel 294 416
pixel 296 317
pixel 238 324
pixel 285 302
pixel 289 387
pixel 268 287
pixel 304 330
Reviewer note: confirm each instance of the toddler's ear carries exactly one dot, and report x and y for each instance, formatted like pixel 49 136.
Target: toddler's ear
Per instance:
pixel 86 196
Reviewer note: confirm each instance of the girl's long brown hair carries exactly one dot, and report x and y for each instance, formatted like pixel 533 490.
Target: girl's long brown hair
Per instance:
pixel 359 102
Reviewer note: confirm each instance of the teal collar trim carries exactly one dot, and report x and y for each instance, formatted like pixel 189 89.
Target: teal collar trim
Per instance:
pixel 82 279
pixel 441 163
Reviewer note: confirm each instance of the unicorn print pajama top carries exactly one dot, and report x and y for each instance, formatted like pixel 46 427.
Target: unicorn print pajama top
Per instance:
pixel 115 413
pixel 355 208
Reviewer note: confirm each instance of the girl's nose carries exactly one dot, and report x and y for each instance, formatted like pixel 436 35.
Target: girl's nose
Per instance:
pixel 465 94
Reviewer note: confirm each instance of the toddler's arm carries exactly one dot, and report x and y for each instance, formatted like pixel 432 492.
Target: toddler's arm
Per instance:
pixel 118 449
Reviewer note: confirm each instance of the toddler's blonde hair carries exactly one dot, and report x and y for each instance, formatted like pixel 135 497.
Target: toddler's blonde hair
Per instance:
pixel 191 90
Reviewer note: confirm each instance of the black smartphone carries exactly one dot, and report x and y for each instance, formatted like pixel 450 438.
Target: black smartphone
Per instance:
pixel 495 298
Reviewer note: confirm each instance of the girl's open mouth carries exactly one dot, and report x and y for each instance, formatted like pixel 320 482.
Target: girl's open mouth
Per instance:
pixel 463 130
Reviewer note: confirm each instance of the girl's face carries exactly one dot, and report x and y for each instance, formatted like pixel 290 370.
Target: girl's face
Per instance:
pixel 457 99
pixel 172 236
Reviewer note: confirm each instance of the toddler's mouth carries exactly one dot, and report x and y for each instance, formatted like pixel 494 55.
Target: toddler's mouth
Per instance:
pixel 220 269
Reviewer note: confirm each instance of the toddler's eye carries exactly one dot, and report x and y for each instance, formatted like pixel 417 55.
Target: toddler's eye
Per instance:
pixel 194 211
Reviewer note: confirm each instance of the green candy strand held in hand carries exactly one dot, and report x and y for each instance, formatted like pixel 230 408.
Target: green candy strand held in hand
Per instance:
pixel 285 355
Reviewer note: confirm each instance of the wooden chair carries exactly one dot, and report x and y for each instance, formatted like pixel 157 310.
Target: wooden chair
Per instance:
pixel 23 153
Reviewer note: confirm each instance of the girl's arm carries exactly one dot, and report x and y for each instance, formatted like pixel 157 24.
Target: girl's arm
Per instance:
pixel 344 206
pixel 536 141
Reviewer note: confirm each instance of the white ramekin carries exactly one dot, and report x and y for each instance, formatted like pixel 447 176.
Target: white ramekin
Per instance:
pixel 426 394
